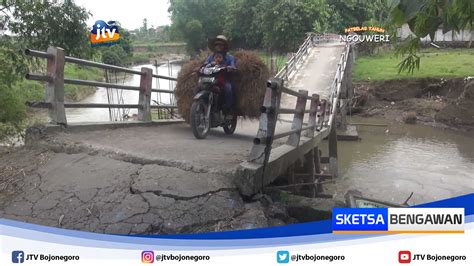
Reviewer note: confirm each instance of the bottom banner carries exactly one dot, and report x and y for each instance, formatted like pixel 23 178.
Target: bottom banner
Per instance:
pixel 292 244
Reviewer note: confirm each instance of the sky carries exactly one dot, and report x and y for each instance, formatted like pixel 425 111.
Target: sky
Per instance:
pixel 130 13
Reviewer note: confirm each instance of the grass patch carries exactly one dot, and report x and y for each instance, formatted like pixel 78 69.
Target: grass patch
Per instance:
pixel 145 52
pixel 30 90
pixel 143 57
pixel 433 63
pixel 15 117
pixel 280 59
pixel 76 92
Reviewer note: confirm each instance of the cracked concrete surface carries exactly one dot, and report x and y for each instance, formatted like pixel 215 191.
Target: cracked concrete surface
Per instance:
pixel 94 192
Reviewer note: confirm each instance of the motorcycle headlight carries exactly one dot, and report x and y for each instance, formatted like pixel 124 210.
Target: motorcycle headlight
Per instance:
pixel 207 71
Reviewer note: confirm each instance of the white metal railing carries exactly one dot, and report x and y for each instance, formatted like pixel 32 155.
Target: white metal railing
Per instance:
pixel 291 65
pixel 337 82
pixel 265 162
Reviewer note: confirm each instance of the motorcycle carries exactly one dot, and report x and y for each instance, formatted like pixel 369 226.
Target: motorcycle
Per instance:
pixel 206 110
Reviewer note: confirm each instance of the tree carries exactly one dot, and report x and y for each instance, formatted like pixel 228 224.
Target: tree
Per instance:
pixel 277 25
pixel 114 55
pixel 37 25
pixel 424 17
pixel 207 16
pixel 194 35
pixel 284 23
pixel 144 28
pixel 120 53
pixel 244 33
pixel 40 24
pixel 126 42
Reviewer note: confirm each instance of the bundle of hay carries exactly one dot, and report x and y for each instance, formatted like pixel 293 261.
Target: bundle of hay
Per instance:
pixel 249 84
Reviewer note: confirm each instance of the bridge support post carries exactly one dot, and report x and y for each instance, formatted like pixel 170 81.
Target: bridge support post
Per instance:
pixel 317 168
pixel 343 114
pixel 294 139
pixel 144 98
pixel 310 169
pixel 313 110
pixel 55 87
pixel 260 152
pixel 268 120
pixel 321 116
pixel 332 142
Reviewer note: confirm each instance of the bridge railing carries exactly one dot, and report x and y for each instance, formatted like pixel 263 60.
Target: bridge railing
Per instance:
pixel 318 38
pixel 270 110
pixel 265 161
pixel 55 80
pixel 292 64
pixel 337 82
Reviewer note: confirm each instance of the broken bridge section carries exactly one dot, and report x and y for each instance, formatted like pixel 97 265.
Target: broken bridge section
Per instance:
pixel 96 190
pixel 131 179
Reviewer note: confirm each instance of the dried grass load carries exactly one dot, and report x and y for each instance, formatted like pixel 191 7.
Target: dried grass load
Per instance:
pixel 249 84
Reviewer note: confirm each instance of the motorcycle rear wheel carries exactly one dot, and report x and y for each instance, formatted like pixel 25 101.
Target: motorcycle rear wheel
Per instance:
pixel 230 126
pixel 200 122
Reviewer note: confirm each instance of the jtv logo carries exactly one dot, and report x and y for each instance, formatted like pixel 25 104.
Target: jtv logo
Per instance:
pixel 104 34
pixel 18 256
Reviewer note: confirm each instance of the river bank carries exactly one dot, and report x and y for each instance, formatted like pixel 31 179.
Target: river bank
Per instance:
pixel 11 132
pixel 444 103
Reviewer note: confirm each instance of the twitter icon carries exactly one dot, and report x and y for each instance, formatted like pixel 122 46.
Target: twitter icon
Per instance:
pixel 283 256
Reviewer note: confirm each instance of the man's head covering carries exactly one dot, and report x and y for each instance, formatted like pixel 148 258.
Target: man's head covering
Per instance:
pixel 219 38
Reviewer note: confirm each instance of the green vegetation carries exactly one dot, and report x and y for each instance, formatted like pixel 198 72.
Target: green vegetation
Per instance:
pixel 38 25
pixel 424 17
pixel 13 111
pixel 280 59
pixel 276 25
pixel 146 52
pixel 434 63
pixel 119 55
pixel 76 92
pixel 34 24
pixel 150 43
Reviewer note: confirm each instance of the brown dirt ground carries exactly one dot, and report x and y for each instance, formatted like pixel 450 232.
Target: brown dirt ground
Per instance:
pixel 436 102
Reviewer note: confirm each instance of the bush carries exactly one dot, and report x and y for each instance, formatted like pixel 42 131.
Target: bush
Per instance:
pixel 12 112
pixel 114 55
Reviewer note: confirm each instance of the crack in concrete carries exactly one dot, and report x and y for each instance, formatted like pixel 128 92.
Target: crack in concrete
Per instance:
pixel 177 197
pixel 75 213
pixel 63 147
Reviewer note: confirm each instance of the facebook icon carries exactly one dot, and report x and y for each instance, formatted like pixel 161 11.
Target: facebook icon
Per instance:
pixel 18 256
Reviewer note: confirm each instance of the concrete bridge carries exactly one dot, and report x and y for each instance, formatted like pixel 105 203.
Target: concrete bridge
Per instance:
pixel 155 177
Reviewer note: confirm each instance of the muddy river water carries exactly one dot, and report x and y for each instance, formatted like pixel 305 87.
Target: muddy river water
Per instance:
pixel 388 163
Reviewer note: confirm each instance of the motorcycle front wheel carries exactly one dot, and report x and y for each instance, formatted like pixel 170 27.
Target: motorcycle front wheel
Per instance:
pixel 230 126
pixel 199 119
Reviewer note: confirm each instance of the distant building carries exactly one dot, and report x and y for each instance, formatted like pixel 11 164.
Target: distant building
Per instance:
pixel 450 36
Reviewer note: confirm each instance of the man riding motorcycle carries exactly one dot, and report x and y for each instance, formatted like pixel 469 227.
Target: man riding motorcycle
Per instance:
pixel 220 45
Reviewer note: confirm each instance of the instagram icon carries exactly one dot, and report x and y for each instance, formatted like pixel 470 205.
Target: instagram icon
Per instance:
pixel 148 256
